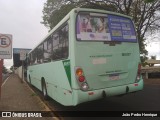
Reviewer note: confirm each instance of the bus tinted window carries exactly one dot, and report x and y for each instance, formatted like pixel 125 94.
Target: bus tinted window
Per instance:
pixel 30 59
pixel 55 47
pixel 47 50
pixel 104 27
pixel 60 44
pixel 64 41
pixel 34 56
pixel 40 54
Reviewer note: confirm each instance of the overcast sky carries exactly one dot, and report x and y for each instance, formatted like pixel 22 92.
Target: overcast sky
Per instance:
pixel 154 46
pixel 22 18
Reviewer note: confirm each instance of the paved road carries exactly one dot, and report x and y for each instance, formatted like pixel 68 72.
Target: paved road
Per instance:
pixel 146 100
pixel 5 76
pixel 18 97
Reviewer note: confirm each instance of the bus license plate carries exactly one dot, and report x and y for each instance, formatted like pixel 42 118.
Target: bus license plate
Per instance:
pixel 114 77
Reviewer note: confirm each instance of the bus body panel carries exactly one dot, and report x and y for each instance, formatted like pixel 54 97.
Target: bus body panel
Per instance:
pixel 54 74
pixel 81 96
pixel 100 62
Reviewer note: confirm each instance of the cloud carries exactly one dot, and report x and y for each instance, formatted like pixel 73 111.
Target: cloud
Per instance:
pixel 154 49
pixel 22 18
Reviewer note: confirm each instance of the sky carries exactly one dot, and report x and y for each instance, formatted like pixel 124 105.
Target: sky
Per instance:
pixel 154 46
pixel 22 18
pixel 154 49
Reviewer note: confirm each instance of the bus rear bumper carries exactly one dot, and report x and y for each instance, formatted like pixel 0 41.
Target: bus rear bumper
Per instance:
pixel 106 92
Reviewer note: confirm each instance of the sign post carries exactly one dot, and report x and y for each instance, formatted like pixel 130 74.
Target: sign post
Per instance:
pixel 1 67
pixel 22 58
pixel 5 52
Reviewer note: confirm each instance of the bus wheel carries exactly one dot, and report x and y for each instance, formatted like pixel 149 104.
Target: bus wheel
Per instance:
pixel 44 90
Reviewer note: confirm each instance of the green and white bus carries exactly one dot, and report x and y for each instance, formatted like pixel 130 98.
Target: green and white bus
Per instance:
pixel 90 54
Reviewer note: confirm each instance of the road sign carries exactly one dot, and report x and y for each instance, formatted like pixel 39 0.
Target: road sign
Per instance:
pixel 5 46
pixel 16 56
pixel 5 52
pixel 22 55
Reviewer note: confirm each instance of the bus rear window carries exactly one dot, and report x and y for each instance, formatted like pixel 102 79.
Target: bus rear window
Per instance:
pixel 104 27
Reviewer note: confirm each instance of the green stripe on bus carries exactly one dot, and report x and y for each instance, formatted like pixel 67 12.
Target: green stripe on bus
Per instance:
pixel 66 64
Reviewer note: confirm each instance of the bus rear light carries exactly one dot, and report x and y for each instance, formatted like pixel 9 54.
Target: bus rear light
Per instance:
pixel 138 73
pixel 81 79
pixel 136 84
pixel 84 86
pixel 79 72
pixel 91 93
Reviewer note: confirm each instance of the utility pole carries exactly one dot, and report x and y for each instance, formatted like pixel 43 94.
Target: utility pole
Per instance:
pixel 5 52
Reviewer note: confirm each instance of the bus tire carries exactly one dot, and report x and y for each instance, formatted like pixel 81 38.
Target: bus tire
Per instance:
pixel 44 90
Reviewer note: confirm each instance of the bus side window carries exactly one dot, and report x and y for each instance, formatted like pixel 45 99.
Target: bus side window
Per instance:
pixel 55 56
pixel 60 44
pixel 47 51
pixel 40 54
pixel 31 60
pixel 64 37
pixel 34 56
pixel 28 60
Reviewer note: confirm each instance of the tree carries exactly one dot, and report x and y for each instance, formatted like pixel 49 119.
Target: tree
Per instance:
pixel 145 14
pixel 143 60
pixel 4 70
pixel 152 58
pixel 54 11
pixel 12 68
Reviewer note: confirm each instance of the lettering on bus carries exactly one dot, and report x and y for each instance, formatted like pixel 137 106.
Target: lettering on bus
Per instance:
pixel 94 56
pixel 66 64
pixel 126 54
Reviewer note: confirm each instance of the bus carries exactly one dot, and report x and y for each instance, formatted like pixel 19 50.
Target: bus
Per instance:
pixel 89 55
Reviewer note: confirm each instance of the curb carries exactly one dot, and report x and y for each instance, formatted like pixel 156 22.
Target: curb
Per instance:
pixel 40 102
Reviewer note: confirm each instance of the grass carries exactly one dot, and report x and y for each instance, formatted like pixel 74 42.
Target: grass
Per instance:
pixel 33 94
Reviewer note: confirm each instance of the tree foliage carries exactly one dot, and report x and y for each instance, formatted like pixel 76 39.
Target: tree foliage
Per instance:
pixel 12 68
pixel 54 11
pixel 145 13
pixel 4 70
pixel 152 58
